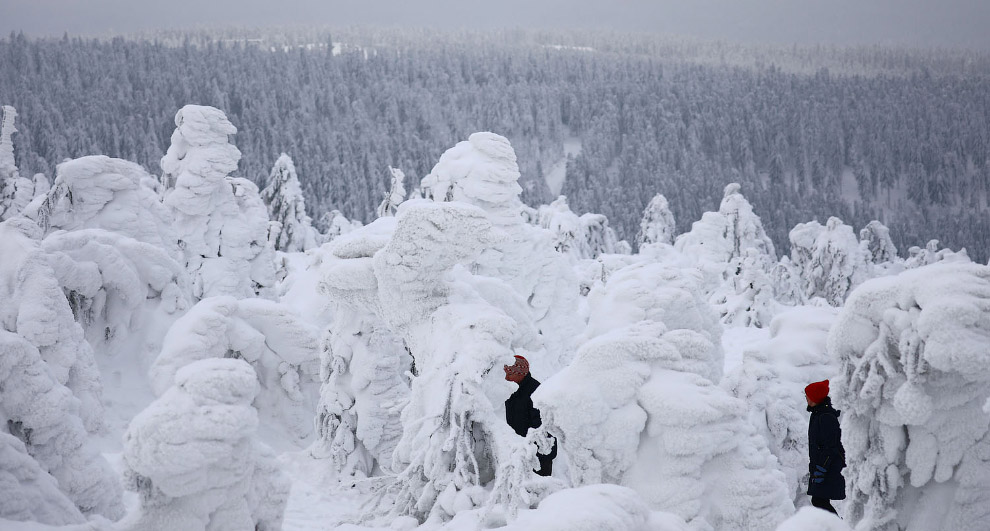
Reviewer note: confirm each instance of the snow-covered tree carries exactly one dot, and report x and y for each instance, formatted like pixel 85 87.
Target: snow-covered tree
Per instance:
pixel 828 260
pixel 771 379
pixel 99 192
pixel 456 452
pixel 914 381
pixel 333 223
pixel 482 171
pixel 930 254
pixel 280 346
pixel 875 237
pixel 27 491
pixel 363 364
pixel 221 222
pixel 286 206
pixel 15 191
pixel 657 225
pixel 633 409
pixel 396 194
pixel 581 237
pixel 746 298
pixel 193 458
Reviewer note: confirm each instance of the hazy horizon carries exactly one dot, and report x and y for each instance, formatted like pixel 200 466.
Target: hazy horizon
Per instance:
pixel 914 23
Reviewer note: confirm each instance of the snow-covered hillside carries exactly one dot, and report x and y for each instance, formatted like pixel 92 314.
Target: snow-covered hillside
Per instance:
pixel 191 353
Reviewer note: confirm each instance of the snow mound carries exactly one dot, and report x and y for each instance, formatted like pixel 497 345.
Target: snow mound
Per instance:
pixel 595 508
pixel 813 518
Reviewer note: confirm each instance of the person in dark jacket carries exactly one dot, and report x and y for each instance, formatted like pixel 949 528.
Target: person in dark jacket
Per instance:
pixel 826 456
pixel 519 411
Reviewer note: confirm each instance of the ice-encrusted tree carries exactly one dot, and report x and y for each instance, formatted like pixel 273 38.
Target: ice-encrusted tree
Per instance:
pixel 639 407
pixel 220 221
pixel 657 225
pixel 913 387
pixel 98 192
pixel 875 237
pixel 287 208
pixel 15 191
pixel 280 347
pixel 193 458
pixel 482 171
pixel 828 260
pixel 456 452
pixel 930 254
pixel 633 409
pixel 771 378
pixel 395 195
pixel 363 364
pixel 45 416
pixel 27 491
pixel 746 298
pixel 581 237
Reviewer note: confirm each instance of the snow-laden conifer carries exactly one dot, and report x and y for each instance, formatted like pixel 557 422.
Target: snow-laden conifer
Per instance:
pixel 363 363
pixel 277 343
pixel 286 206
pixel 27 491
pixel 913 383
pixel 193 458
pixel 828 260
pixel 395 195
pixel 220 221
pixel 657 225
pixel 580 237
pixel 15 191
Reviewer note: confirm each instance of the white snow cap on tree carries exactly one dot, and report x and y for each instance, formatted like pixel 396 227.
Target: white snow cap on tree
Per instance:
pixel 480 171
pixel 915 375
pixel 221 222
pixel 633 409
pixel 99 192
pixel 286 206
pixel 192 457
pixel 771 380
pixel 657 225
pixel 27 491
pixel 277 343
pixel 746 298
pixel 828 260
pixel 396 194
pixel 875 237
pixel 580 237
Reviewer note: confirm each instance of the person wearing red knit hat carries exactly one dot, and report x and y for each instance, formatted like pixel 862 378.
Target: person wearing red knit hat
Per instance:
pixel 826 456
pixel 520 413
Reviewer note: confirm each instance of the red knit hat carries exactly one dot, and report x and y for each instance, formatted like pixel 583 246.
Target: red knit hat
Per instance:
pixel 518 370
pixel 817 391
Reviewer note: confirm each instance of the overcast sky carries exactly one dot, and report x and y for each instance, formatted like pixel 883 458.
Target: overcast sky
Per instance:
pixel 947 23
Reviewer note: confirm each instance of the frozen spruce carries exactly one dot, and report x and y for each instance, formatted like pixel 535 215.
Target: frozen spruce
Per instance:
pixel 657 225
pixel 27 491
pixel 395 195
pixel 915 376
pixel 15 191
pixel 193 458
pixel 286 207
pixel 580 237
pixel 220 221
pixel 364 365
pixel 828 261
pixel 270 337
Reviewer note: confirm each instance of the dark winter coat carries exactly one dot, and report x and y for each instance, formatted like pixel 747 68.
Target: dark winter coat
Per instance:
pixel 825 450
pixel 520 412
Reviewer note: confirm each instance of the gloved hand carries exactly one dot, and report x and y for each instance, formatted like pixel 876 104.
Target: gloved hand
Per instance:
pixel 818 474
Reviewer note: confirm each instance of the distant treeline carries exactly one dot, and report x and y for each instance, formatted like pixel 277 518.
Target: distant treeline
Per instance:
pixel 894 135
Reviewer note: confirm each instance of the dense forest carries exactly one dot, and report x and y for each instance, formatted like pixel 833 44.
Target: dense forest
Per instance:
pixel 861 133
